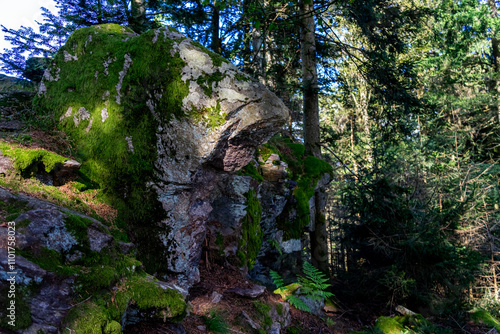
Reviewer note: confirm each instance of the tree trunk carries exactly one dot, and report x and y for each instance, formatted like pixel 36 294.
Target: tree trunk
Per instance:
pixel 216 42
pixel 495 46
pixel 354 162
pixel 495 41
pixel 137 19
pixel 319 235
pixel 310 80
pixel 257 60
pixel 247 49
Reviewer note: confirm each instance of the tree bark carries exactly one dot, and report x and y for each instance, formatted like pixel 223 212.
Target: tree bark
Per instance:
pixel 495 41
pixel 319 235
pixel 310 80
pixel 257 60
pixel 216 42
pixel 137 20
pixel 495 46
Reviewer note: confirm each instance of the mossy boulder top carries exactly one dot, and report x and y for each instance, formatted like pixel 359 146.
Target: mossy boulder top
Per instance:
pixel 111 87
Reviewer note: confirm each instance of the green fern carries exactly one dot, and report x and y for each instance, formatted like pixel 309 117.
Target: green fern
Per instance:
pixel 298 303
pixel 313 285
pixel 277 280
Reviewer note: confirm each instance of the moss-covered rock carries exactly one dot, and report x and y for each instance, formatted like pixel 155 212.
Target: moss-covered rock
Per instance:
pixel 298 189
pixel 484 317
pixel 64 258
pixel 147 114
pixel 388 325
pixel 251 233
pixel 414 323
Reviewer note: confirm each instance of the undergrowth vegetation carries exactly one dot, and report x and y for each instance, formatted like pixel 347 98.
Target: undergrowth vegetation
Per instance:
pixel 312 285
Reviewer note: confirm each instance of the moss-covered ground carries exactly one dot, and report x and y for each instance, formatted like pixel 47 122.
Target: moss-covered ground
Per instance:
pixel 28 162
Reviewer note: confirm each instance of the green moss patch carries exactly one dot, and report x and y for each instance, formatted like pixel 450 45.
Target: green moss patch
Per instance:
pixel 12 209
pixel 250 170
pixel 88 318
pixel 279 309
pixel 251 234
pixel 105 310
pixel 145 294
pixel 411 324
pixel 28 162
pixel 212 117
pixel 22 307
pixel 482 316
pixel 48 259
pixel 78 226
pixel 206 82
pixel 287 290
pixel 263 310
pixel 388 325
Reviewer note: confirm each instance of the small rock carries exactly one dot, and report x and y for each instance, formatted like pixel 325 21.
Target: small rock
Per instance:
pixel 273 157
pixel 275 328
pixel 216 297
pixel 273 173
pixel 315 306
pixel 98 240
pixel 77 255
pixel 6 165
pixel 249 321
pixel 126 247
pixel 202 328
pixel 404 311
pixel 252 292
pixel 11 125
pixel 27 271
pixel 330 308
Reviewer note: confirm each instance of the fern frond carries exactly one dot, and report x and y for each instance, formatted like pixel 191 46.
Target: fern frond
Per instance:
pixel 316 276
pixel 277 280
pixel 298 303
pixel 315 283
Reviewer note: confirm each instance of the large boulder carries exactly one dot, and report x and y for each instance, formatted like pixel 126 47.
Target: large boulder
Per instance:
pixel 156 118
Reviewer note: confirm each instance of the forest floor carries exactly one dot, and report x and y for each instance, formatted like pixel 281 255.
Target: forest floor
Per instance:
pixel 229 309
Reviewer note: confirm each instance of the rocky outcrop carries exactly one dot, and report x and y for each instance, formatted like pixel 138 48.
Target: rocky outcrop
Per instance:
pixel 160 106
pixel 59 260
pixel 173 136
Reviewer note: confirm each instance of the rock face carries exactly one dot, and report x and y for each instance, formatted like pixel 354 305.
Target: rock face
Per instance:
pixel 157 119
